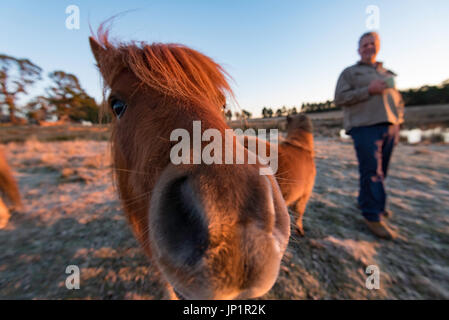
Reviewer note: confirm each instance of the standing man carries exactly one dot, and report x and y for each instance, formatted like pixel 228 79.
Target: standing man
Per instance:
pixel 373 110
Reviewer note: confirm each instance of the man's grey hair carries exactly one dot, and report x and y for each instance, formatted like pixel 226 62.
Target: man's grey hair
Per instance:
pixel 369 33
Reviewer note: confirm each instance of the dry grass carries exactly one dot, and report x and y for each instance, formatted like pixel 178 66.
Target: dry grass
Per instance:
pixel 72 217
pixel 65 132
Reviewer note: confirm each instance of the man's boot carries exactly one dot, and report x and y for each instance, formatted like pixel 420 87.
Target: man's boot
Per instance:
pixel 381 229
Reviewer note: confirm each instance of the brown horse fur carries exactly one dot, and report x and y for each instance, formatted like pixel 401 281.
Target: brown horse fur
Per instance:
pixel 8 187
pixel 214 231
pixel 296 167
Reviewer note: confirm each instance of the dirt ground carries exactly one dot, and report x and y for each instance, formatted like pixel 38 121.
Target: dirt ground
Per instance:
pixel 71 216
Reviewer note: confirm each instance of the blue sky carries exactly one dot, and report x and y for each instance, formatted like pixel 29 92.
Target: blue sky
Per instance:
pixel 278 52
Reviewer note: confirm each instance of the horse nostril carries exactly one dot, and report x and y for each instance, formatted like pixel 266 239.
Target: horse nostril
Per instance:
pixel 181 224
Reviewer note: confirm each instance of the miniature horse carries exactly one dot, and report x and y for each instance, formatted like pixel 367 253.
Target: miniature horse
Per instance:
pixel 296 166
pixel 8 186
pixel 215 231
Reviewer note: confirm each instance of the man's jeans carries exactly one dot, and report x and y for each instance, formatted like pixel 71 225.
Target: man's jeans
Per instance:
pixel 374 146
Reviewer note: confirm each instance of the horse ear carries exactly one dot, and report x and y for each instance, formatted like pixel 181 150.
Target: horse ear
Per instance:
pixel 96 48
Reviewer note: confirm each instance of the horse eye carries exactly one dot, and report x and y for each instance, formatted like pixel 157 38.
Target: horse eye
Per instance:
pixel 118 107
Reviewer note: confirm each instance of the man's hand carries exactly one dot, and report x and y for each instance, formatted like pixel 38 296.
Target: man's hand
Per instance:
pixel 377 87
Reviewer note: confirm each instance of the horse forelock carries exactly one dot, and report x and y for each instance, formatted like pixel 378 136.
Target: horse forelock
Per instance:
pixel 171 69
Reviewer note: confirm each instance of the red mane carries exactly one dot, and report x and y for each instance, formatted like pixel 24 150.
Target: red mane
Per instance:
pixel 171 69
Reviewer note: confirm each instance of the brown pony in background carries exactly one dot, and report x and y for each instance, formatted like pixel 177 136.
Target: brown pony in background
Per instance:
pixel 296 166
pixel 214 231
pixel 8 187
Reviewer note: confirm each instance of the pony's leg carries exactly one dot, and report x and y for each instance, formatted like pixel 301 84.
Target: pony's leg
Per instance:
pixel 300 208
pixel 4 214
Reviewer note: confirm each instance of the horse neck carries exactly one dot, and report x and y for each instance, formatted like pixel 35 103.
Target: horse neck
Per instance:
pixel 300 138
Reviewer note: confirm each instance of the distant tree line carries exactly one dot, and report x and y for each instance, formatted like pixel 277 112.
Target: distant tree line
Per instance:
pixel 305 107
pixel 425 95
pixel 242 115
pixel 64 98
